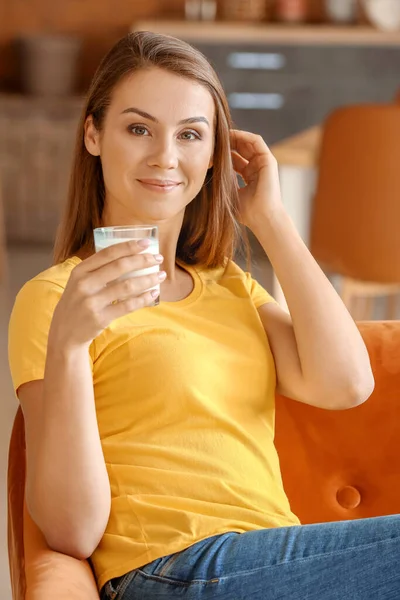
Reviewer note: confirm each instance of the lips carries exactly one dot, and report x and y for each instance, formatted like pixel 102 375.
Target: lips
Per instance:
pixel 160 186
pixel 160 182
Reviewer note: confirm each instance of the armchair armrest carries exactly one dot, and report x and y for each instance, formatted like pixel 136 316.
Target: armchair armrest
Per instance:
pixel 51 574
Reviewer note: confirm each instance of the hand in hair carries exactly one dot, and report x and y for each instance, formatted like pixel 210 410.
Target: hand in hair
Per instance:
pixel 257 166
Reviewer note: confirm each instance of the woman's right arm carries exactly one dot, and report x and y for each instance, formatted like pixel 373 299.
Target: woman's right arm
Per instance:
pixel 67 491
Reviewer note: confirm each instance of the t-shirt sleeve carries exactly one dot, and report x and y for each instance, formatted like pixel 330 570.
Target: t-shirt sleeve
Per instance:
pixel 258 294
pixel 29 329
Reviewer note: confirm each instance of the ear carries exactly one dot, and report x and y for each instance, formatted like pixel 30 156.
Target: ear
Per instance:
pixel 211 163
pixel 92 137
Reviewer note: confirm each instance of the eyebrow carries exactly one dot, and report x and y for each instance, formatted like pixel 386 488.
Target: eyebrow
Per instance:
pixel 146 115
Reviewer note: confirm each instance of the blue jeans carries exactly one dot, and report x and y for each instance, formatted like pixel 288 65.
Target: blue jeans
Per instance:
pixel 347 560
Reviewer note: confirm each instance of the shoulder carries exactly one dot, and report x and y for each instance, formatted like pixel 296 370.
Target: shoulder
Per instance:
pixel 56 275
pixel 42 292
pixel 224 272
pixel 238 282
pixel 229 276
pixel 30 322
pixel 226 275
pixel 55 278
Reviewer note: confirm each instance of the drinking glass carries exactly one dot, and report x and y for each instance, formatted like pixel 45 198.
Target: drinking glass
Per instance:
pixel 108 236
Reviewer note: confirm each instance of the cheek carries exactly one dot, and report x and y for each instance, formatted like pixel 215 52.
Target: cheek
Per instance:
pixel 119 155
pixel 198 162
pixel 196 172
pixel 116 145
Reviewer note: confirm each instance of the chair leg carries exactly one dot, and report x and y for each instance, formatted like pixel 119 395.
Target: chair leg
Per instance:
pixel 364 308
pixel 352 299
pixel 369 306
pixel 356 308
pixel 359 303
pixel 392 306
pixel 347 294
pixel 359 297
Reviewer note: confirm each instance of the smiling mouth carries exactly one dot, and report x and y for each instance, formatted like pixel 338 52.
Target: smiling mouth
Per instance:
pixel 158 185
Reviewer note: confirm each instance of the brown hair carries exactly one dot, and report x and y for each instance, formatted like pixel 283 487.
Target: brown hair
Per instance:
pixel 210 230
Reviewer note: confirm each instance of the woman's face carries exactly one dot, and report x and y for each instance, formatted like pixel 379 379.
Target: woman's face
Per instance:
pixel 156 146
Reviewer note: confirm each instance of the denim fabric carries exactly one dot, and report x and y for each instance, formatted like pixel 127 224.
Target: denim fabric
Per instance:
pixel 347 560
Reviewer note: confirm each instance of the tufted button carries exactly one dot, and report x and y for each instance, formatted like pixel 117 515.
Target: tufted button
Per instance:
pixel 348 497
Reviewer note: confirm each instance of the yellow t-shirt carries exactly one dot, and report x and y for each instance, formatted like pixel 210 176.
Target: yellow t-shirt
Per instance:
pixel 185 401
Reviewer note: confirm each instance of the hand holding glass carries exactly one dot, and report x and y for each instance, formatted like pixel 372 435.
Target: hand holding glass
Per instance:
pixel 108 236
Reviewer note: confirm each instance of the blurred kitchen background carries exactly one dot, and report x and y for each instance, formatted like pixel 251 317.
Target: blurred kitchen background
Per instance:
pixel 318 79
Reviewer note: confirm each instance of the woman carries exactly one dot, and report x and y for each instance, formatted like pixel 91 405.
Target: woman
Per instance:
pixel 150 429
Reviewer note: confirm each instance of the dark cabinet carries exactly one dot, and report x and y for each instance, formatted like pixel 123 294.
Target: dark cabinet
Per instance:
pixel 278 90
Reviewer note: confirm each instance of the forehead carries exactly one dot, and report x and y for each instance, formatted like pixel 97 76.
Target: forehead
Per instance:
pixel 164 95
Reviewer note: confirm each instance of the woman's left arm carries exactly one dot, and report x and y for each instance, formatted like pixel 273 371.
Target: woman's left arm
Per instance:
pixel 320 356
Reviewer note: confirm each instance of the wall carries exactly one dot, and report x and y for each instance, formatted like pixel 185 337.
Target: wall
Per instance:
pixel 100 22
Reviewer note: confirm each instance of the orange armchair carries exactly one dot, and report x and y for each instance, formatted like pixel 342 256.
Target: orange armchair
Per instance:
pixel 335 466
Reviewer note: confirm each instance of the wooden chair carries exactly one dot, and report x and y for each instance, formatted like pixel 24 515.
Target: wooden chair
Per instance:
pixel 3 243
pixel 356 216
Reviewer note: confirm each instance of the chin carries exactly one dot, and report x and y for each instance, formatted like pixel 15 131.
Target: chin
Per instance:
pixel 154 208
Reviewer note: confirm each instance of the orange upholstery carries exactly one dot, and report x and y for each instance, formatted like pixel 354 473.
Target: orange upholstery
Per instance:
pixel 346 464
pixel 354 229
pixel 335 465
pixel 37 572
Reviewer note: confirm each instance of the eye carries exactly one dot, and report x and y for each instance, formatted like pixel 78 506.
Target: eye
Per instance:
pixel 190 135
pixel 139 130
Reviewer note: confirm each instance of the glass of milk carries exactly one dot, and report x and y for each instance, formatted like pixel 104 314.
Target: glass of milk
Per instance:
pixel 108 236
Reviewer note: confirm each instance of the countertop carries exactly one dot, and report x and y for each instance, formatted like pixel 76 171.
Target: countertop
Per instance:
pixel 270 33
pixel 300 150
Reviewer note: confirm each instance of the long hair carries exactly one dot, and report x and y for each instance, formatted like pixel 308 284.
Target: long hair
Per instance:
pixel 210 231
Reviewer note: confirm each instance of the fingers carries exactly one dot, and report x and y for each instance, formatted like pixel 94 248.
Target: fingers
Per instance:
pixel 131 287
pixel 249 170
pixel 113 253
pixel 120 309
pixel 239 164
pixel 93 281
pixel 123 297
pixel 248 144
pixel 122 266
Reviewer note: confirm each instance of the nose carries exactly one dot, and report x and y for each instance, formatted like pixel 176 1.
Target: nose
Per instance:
pixel 164 154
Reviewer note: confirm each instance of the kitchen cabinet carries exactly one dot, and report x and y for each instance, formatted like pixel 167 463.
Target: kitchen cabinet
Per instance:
pixel 279 90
